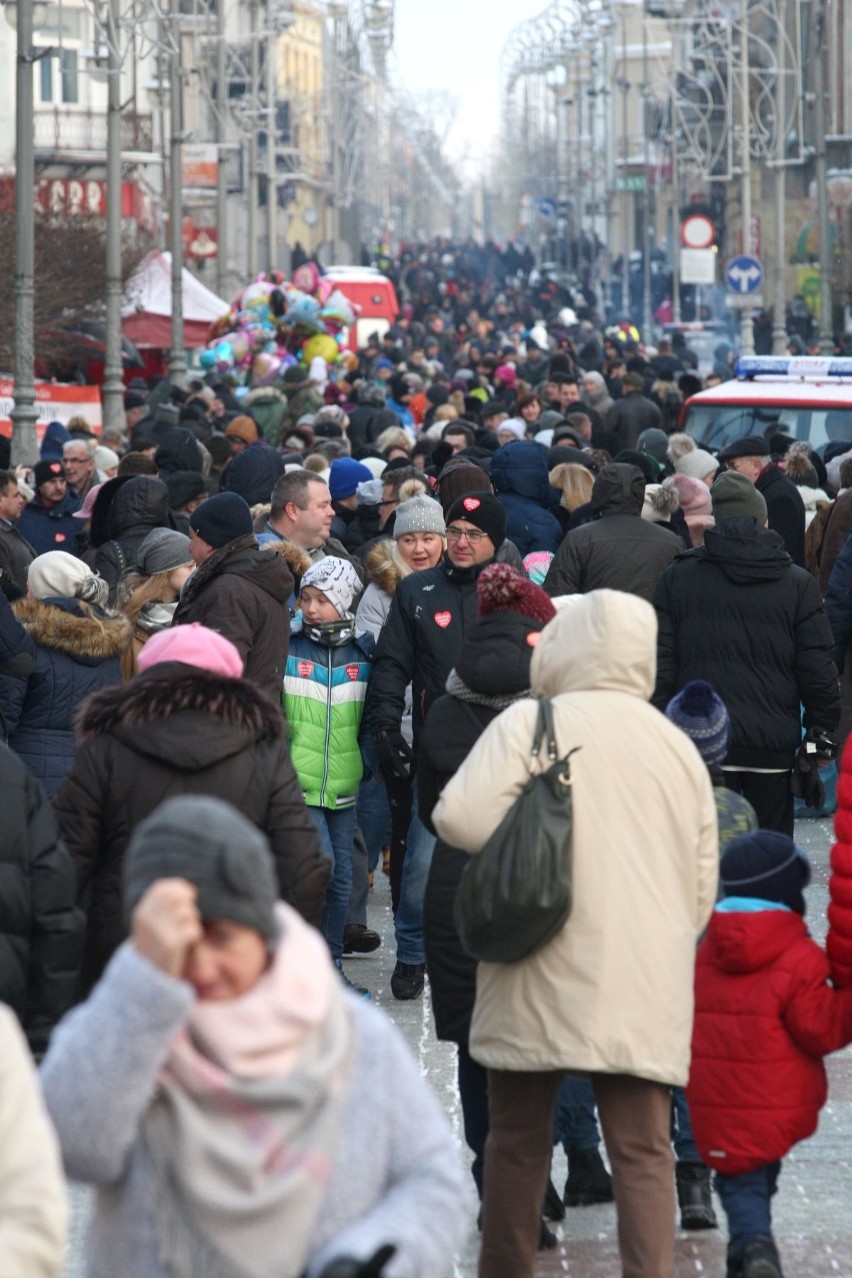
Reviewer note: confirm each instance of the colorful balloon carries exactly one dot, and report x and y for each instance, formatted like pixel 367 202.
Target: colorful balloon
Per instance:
pixel 321 346
pixel 306 277
pixel 224 354
pixel 265 367
pixel 207 360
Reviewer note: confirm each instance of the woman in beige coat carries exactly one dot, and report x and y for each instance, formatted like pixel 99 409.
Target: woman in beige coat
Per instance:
pixel 611 994
pixel 33 1198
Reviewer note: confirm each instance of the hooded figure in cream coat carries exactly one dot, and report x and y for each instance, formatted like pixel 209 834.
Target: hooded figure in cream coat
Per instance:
pixel 611 994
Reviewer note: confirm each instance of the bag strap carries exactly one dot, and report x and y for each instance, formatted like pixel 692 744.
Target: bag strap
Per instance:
pixel 544 728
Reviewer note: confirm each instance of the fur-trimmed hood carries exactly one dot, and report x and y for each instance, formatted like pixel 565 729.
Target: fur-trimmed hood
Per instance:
pixel 296 559
pixel 166 713
pixel 381 568
pixel 77 629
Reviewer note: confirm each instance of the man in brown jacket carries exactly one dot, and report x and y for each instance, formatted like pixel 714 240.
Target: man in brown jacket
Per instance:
pixel 238 589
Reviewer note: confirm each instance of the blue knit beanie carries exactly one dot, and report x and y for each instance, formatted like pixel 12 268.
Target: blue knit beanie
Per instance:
pixel 703 716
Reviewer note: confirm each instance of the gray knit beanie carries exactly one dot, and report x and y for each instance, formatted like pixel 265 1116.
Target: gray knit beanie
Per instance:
pixel 419 515
pixel 212 845
pixel 162 551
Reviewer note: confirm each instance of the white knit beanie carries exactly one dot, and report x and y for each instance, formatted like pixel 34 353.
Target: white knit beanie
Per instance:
pixel 697 464
pixel 57 575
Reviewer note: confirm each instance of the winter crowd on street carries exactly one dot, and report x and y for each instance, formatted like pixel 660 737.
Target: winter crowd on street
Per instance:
pixel 260 649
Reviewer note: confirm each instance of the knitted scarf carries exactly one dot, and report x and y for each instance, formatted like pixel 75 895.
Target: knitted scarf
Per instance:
pixel 457 688
pixel 243 1127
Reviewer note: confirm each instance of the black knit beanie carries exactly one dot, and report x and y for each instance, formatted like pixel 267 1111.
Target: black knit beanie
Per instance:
pixel 766 865
pixel 484 511
pixel 221 519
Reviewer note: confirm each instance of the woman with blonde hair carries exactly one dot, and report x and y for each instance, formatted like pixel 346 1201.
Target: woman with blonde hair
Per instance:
pixel 575 482
pixel 394 442
pixel 150 594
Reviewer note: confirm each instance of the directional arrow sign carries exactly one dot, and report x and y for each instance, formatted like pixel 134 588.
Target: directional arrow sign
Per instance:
pixel 744 275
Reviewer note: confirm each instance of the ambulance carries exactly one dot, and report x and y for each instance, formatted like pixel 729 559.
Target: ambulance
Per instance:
pixel 374 295
pixel 805 397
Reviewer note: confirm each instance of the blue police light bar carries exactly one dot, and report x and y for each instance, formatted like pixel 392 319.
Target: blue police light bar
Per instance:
pixel 748 366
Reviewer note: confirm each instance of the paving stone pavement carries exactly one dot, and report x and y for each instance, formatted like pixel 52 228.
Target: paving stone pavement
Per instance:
pixel 813 1210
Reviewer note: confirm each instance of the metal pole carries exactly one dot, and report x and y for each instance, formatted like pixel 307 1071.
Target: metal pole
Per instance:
pixel 746 325
pixel 221 167
pixel 646 198
pixel 271 146
pixel 24 416
pixel 675 228
pixel 826 338
pixel 177 361
pixel 112 391
pixel 336 112
pixel 254 75
pixel 779 330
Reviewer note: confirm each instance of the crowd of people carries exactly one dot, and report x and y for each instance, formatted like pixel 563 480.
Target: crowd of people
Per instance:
pixel 258 649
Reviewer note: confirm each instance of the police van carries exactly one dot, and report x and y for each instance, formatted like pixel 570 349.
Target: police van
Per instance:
pixel 805 397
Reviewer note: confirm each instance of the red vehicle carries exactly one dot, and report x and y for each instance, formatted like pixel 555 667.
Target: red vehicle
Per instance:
pixel 375 296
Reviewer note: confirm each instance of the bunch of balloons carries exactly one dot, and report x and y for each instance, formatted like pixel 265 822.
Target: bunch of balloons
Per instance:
pixel 272 325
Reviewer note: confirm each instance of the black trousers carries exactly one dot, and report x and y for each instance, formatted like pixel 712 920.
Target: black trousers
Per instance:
pixel 769 794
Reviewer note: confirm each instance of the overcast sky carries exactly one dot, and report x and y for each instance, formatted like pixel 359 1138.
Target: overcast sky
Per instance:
pixel 454 46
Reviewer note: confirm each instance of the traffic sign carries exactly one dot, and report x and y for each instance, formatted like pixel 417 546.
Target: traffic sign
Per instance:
pixel 547 207
pixel 697 232
pixel 744 275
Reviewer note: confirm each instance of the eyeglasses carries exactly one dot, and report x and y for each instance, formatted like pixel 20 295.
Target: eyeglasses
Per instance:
pixel 456 534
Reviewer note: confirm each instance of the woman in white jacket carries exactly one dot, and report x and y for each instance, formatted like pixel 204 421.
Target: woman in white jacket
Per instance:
pixel 611 995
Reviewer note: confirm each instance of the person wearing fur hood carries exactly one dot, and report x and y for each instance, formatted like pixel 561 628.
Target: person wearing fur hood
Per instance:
pixel 76 645
pixel 799 468
pixel 419 541
pixel 189 723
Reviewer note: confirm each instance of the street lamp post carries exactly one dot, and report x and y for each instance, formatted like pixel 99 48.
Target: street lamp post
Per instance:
pixel 826 336
pixel 177 361
pixel 221 168
pixel 112 391
pixel 746 316
pixel 254 75
pixel 271 144
pixel 24 416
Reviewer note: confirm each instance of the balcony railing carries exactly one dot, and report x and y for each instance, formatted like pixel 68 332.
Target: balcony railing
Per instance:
pixel 60 130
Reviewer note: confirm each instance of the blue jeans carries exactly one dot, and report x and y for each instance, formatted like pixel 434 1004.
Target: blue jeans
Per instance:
pixel 408 922
pixel 374 818
pixel 336 829
pixel 682 1138
pixel 746 1199
pixel 574 1122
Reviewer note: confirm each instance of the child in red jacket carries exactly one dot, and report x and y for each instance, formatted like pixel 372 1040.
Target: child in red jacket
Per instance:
pixel 765 1016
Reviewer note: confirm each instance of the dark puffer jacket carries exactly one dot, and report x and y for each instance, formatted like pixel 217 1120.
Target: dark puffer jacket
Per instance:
pixel 430 617
pixel 138 506
pixel 493 668
pixel 617 550
pixel 41 931
pixel 242 592
pixel 519 473
pixel 77 651
pixel 739 614
pixel 176 730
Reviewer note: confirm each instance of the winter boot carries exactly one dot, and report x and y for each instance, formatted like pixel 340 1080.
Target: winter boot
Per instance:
pixel 547 1240
pixel 734 1266
pixel 759 1259
pixel 694 1196
pixel 588 1179
pixel 554 1208
pixel 407 980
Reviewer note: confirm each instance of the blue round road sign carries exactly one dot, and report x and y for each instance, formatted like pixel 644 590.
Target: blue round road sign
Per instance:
pixel 744 275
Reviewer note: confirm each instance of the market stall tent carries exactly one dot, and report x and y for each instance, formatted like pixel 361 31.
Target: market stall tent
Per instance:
pixel 147 305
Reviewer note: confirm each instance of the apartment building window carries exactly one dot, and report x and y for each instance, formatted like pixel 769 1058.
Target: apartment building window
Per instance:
pixel 59 74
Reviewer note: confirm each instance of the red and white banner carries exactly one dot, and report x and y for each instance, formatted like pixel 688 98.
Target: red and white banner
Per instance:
pixel 54 403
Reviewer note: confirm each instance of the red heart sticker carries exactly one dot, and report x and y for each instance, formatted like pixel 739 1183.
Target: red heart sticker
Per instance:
pixel 60 537
pixel 471 503
pixel 443 619
pixel 352 673
pixel 533 637
pixel 305 669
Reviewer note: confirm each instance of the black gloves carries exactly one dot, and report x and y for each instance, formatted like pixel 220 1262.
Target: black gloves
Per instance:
pixel 393 752
pixel 818 748
pixel 346 1267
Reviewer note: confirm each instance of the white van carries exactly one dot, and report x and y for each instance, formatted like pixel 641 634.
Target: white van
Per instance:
pixel 805 397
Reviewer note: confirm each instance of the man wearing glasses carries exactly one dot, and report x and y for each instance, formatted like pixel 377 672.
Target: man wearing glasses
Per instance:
pixel 429 619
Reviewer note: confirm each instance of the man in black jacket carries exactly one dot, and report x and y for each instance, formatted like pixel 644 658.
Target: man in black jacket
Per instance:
pixel 41 930
pixel 784 506
pixel 429 619
pixel 617 550
pixel 632 413
pixel 740 615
